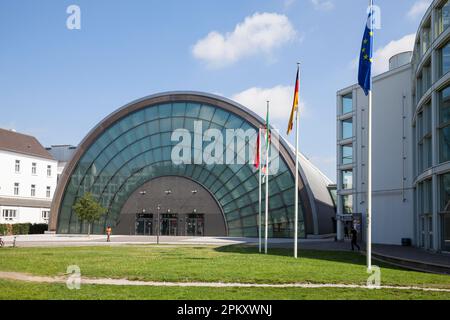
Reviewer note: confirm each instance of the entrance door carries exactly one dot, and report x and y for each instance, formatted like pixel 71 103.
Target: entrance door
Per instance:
pixel 169 224
pixel 195 225
pixel 446 233
pixel 144 224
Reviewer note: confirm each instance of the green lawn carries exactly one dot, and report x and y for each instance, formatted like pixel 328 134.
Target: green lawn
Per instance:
pixel 12 290
pixel 207 263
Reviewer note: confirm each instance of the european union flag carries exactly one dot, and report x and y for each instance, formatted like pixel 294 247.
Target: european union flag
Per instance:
pixel 366 58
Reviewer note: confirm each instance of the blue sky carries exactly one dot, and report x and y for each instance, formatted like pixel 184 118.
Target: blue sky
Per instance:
pixel 57 83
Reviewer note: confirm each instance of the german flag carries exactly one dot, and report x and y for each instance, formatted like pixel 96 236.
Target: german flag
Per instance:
pixel 295 104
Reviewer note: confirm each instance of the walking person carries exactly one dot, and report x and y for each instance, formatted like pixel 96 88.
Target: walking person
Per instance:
pixel 108 234
pixel 354 234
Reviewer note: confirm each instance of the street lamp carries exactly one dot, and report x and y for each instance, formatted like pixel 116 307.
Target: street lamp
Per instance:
pixel 159 224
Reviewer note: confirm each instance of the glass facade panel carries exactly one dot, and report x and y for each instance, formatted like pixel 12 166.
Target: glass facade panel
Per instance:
pixel 444 193
pixel 444 59
pixel 347 128
pixel 137 149
pixel 446 232
pixel 444 120
pixel 347 154
pixel 443 18
pixel 347 179
pixel 347 204
pixel 347 103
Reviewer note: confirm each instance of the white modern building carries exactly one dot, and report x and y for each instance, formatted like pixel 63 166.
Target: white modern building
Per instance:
pixel 392 161
pixel 411 143
pixel 63 154
pixel 27 179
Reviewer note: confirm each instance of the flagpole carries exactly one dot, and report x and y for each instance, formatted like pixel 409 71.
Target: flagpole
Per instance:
pixel 260 192
pixel 369 165
pixel 266 226
pixel 296 180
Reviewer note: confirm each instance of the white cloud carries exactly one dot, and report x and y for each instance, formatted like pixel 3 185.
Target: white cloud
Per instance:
pixel 418 9
pixel 382 55
pixel 259 33
pixel 280 97
pixel 324 5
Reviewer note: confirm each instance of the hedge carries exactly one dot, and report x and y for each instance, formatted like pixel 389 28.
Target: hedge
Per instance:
pixel 23 228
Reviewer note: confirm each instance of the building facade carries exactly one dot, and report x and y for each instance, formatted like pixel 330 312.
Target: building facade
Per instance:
pixel 411 143
pixel 62 154
pixel 28 179
pixel 392 160
pixel 431 125
pixel 127 163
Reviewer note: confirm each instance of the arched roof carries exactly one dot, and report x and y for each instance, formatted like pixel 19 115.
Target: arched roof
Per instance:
pixel 313 186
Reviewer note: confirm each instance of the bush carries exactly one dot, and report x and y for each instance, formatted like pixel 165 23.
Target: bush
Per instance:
pixel 3 229
pixel 38 228
pixel 21 228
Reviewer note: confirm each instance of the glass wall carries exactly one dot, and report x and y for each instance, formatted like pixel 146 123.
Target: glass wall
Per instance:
pixel 444 197
pixel 444 125
pixel 424 134
pixel 443 18
pixel 347 103
pixel 425 214
pixel 347 128
pixel 137 148
pixel 347 204
pixel 425 38
pixel 444 59
pixel 347 154
pixel 347 179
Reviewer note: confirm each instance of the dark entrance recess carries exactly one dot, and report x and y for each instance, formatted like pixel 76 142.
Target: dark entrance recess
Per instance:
pixel 144 224
pixel 185 208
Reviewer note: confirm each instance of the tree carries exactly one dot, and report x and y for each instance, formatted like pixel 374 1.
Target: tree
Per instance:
pixel 88 209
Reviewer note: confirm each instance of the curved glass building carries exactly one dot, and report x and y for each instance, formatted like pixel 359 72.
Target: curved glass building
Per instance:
pixel 127 163
pixel 431 122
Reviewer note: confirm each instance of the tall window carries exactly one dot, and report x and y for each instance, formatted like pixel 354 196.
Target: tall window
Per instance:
pixel 424 137
pixel 47 193
pixel 347 103
pixel 444 59
pixel 17 166
pixel 9 215
pixel 347 204
pixel 347 179
pixel 444 194
pixel 33 190
pixel 347 128
pixel 444 125
pixel 347 154
pixel 49 171
pixel 443 19
pixel 33 168
pixel 45 215
pixel 425 39
pixel 16 189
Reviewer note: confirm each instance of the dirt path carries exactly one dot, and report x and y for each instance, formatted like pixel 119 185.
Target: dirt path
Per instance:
pixel 124 282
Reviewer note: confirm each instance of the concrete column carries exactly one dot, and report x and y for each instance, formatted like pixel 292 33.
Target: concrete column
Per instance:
pixel 435 150
pixel 339 204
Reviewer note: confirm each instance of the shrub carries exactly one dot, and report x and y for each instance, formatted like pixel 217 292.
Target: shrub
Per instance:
pixel 21 228
pixel 3 229
pixel 38 228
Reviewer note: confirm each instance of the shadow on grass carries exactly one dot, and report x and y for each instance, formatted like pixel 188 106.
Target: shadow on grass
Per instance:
pixel 345 257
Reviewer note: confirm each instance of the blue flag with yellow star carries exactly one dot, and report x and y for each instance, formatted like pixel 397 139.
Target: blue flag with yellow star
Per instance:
pixel 366 59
